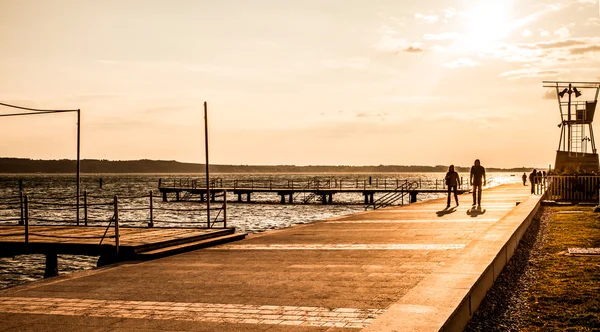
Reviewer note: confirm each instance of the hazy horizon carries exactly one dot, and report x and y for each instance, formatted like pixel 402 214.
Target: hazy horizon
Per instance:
pixel 316 82
pixel 267 165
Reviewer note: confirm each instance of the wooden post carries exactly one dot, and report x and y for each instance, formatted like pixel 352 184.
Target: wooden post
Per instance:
pixel 159 182
pixel 26 219
pixel 85 207
pixel 117 223
pixel 100 182
pixel 21 221
pixel 151 223
pixel 51 265
pixel 224 208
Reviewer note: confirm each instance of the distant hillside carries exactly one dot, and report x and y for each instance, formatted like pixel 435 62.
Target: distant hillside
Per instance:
pixel 22 165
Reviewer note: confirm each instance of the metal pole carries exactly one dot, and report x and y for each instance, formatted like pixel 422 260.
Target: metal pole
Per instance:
pixel 151 223
pixel 85 207
pixel 207 166
pixel 117 223
pixel 569 118
pixel 224 208
pixel 21 221
pixel 26 219
pixel 78 159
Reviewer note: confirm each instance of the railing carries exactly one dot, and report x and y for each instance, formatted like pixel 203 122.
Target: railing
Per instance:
pixel 294 184
pixel 572 188
pixel 392 197
pixel 28 209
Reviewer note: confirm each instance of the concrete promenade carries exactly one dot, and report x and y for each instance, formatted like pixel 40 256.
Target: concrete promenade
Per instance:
pixel 411 268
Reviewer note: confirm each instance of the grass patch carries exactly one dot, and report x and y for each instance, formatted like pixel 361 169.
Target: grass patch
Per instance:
pixel 564 293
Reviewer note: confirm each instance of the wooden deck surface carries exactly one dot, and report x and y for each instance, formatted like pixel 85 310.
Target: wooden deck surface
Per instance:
pixel 85 240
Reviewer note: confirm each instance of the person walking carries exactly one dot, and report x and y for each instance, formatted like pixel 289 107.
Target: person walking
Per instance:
pixel 452 181
pixel 524 179
pixel 532 180
pixel 475 180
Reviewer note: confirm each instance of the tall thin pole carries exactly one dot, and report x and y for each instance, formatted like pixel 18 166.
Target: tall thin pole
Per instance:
pixel 207 172
pixel 569 118
pixel 78 159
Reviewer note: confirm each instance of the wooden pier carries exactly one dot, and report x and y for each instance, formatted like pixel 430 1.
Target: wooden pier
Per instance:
pixel 105 235
pixel 134 243
pixel 395 191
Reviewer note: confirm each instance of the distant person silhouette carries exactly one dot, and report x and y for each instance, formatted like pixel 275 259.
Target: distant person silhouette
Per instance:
pixel 477 174
pixel 452 181
pixel 524 179
pixel 532 180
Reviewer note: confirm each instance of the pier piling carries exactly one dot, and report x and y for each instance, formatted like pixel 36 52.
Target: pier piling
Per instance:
pixel 51 265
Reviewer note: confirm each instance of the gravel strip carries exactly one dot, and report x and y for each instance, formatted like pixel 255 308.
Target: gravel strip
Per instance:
pixel 505 304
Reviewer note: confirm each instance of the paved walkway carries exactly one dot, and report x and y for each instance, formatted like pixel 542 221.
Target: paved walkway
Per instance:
pixel 402 268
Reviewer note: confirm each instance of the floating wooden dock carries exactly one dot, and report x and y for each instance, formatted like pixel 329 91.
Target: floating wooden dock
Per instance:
pixel 135 243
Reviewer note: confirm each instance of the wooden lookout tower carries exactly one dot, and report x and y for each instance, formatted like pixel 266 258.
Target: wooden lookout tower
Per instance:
pixel 576 147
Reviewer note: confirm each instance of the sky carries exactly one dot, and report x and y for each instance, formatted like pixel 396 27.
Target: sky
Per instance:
pixel 312 82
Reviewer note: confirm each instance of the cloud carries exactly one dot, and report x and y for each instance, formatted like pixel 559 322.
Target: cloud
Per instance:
pixel 450 12
pixel 351 63
pixel 563 32
pixel 583 50
pixel 549 94
pixel 391 44
pixel 414 49
pixel 406 99
pixel 461 62
pixel 370 115
pixel 427 19
pixel 441 36
pixel 529 72
pixel 593 21
pixel 526 33
pixel 556 44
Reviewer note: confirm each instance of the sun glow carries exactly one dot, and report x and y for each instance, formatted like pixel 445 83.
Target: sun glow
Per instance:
pixel 487 23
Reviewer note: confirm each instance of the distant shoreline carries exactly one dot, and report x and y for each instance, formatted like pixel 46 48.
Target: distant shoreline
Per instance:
pixel 144 166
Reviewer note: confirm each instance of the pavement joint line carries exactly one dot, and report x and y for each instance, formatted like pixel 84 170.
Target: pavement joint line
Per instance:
pixel 400 221
pixel 205 312
pixel 313 246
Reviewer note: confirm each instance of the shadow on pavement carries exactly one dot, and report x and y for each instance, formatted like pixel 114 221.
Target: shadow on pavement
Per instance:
pixel 446 211
pixel 475 211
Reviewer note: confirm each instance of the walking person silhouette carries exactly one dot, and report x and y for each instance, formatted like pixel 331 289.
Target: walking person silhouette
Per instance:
pixel 477 174
pixel 452 181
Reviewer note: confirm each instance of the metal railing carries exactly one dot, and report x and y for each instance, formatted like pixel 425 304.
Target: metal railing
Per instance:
pixel 31 209
pixel 392 197
pixel 293 184
pixel 572 188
